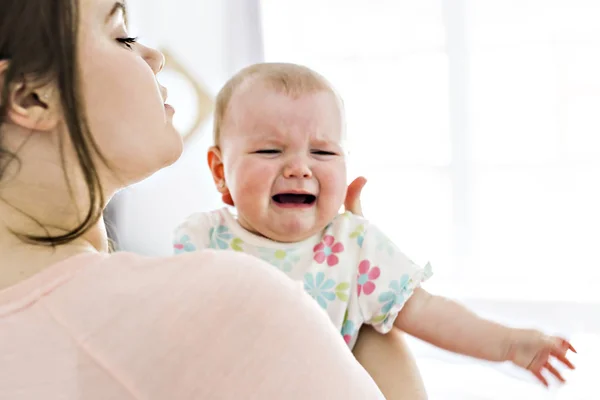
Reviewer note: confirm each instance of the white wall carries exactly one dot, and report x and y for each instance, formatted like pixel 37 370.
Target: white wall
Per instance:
pixel 213 39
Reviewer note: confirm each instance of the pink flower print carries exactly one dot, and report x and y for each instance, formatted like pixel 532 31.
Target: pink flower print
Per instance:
pixel 325 251
pixel 366 276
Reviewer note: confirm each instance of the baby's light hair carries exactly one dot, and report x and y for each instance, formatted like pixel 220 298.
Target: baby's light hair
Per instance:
pixel 291 79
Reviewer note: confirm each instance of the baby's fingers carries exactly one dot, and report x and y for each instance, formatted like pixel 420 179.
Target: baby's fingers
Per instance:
pixel 562 346
pixel 560 349
pixel 554 372
pixel 570 346
pixel 563 359
pixel 541 378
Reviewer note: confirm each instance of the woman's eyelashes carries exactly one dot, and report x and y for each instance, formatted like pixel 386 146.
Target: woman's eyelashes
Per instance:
pixel 127 41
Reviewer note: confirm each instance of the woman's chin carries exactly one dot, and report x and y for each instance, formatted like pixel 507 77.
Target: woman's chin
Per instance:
pixel 170 152
pixel 136 173
pixel 174 151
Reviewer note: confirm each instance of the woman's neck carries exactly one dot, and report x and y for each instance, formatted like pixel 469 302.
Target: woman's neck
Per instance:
pixel 21 260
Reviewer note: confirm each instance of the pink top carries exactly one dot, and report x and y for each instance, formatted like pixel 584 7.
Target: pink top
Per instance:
pixel 203 325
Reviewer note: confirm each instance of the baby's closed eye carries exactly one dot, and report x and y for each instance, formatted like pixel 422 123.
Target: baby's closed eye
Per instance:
pixel 324 153
pixel 267 151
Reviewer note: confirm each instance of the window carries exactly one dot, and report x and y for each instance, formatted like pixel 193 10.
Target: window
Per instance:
pixel 478 126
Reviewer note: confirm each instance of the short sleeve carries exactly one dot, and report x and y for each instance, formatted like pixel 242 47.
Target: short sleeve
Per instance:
pixel 386 279
pixel 194 233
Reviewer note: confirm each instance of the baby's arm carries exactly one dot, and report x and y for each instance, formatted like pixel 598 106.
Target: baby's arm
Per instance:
pixel 390 295
pixel 451 326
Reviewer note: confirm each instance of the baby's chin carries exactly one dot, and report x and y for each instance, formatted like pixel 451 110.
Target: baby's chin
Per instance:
pixel 295 232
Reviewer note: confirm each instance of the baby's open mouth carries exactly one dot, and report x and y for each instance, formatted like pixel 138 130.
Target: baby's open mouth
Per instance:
pixel 294 198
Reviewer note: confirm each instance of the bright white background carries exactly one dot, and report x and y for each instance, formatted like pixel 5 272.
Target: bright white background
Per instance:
pixel 477 123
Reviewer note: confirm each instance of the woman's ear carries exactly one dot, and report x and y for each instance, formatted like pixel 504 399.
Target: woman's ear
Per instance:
pixel 31 106
pixel 215 163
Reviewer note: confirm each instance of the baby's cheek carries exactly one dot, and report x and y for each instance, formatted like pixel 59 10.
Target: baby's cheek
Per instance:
pixel 331 200
pixel 251 189
pixel 335 183
pixel 246 178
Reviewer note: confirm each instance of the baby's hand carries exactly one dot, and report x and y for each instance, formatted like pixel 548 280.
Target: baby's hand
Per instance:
pixel 532 350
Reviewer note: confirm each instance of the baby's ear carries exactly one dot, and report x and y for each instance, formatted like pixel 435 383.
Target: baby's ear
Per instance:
pixel 215 163
pixel 227 199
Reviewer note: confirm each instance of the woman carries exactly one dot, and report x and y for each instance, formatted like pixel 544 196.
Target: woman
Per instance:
pixel 82 117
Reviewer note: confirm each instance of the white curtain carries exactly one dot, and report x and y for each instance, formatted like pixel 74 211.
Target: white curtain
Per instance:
pixel 477 123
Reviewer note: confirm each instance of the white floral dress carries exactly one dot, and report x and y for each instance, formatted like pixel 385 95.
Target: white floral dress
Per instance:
pixel 352 270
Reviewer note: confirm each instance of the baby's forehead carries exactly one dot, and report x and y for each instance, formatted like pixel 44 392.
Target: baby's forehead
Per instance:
pixel 262 103
pixel 259 89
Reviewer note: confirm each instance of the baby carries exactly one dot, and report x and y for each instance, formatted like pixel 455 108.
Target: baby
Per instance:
pixel 279 157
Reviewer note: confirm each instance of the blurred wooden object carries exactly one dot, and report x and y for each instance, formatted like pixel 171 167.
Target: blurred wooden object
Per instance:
pixel 204 99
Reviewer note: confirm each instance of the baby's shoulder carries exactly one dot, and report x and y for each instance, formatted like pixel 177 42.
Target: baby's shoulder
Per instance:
pixel 347 229
pixel 203 220
pixel 347 223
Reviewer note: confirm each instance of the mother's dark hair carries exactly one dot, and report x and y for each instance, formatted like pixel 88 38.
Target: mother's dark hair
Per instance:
pixel 38 38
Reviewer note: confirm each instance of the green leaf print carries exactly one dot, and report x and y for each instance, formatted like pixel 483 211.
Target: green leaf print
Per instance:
pixel 236 244
pixel 379 319
pixel 280 254
pixel 285 260
pixel 341 291
pixel 358 235
pixel 357 232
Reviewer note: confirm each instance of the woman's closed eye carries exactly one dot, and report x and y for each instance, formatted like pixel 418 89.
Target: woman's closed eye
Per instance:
pixel 127 41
